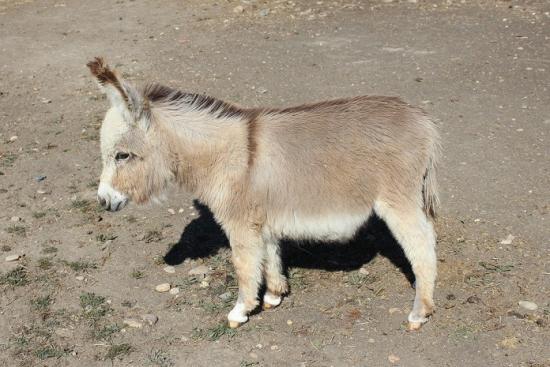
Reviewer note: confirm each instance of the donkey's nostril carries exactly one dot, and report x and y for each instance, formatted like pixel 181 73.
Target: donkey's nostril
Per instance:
pixel 102 202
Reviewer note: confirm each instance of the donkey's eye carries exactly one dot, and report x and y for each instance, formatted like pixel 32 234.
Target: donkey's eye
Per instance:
pixel 121 156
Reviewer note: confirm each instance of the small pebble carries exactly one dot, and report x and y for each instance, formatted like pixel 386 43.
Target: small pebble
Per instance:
pixel 15 219
pixel 393 358
pixel 238 9
pixel 174 291
pixel 14 257
pixel 274 347
pixel 79 277
pixel 40 178
pixel 132 323
pixel 169 269
pixel 528 305
pixel 289 322
pixel 364 271
pixel 171 211
pixel 164 287
pixel 150 319
pixel 508 240
pixel 263 12
pixel 13 138
pixel 204 284
pixel 199 270
pixel 180 210
pixel 225 296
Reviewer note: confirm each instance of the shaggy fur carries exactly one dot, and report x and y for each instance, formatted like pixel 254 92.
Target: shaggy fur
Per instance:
pixel 314 171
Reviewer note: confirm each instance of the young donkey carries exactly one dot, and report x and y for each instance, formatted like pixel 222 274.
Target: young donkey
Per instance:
pixel 314 171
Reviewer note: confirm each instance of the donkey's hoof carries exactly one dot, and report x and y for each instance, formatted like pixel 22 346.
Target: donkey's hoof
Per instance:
pixel 414 326
pixel 235 324
pixel 271 301
pixel 416 322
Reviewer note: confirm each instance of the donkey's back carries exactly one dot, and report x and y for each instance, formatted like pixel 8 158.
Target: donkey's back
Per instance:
pixel 322 167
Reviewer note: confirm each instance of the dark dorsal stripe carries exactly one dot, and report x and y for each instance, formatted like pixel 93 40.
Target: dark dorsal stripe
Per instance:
pixel 163 94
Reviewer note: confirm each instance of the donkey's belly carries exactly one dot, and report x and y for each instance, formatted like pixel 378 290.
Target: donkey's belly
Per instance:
pixel 331 227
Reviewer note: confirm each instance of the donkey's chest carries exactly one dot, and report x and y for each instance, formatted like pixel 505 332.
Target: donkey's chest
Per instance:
pixel 331 227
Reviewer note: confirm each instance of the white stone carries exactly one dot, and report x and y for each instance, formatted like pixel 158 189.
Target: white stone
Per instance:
pixel 238 9
pixel 169 269
pixel 508 240
pixel 171 211
pixel 14 257
pixel 79 277
pixel 13 138
pixel 164 287
pixel 174 291
pixel 528 305
pixel 133 323
pixel 363 271
pixel 15 219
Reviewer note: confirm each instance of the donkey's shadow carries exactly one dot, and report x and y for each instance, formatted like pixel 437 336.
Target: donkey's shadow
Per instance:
pixel 203 237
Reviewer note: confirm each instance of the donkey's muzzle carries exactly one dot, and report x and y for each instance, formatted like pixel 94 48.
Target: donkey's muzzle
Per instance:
pixel 110 199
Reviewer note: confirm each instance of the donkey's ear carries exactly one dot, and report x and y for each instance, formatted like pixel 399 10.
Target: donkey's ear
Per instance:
pixel 122 95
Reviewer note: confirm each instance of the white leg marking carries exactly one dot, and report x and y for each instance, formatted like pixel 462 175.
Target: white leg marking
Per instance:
pixel 237 314
pixel 271 299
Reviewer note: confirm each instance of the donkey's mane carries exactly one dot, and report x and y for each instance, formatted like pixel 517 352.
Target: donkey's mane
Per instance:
pixel 157 93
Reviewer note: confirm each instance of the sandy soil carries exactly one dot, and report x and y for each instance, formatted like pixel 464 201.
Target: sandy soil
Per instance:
pixel 481 68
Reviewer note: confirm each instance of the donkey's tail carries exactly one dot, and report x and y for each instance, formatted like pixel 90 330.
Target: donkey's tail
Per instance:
pixel 429 188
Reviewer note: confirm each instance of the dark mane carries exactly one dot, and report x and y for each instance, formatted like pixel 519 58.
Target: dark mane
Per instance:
pixel 157 93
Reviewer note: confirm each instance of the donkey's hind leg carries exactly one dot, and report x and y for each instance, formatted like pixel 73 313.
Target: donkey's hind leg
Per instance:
pixel 275 280
pixel 415 233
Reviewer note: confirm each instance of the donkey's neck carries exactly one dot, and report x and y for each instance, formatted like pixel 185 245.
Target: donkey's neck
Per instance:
pixel 208 151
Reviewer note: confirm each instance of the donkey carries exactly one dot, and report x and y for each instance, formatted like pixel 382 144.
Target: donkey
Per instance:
pixel 315 171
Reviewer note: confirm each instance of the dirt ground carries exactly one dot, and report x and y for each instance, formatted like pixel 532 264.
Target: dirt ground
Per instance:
pixel 83 293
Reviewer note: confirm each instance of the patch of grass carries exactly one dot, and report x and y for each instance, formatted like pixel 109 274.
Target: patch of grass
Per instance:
pixel 38 215
pixel 45 263
pixel 105 332
pixel 496 267
pixel 296 279
pixel 358 280
pixel 8 159
pixel 41 303
pixel 80 265
pixel 102 237
pixel 152 236
pixel 49 250
pixel 160 358
pixel 92 184
pixel 213 307
pixel 50 352
pixel 127 303
pixel 16 278
pixel 213 333
pixel 86 206
pixel 118 351
pixel 94 306
pixel 6 248
pixel 158 260
pixel 137 274
pixel 17 229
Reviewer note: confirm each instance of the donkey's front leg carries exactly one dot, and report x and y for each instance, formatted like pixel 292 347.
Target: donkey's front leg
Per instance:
pixel 247 253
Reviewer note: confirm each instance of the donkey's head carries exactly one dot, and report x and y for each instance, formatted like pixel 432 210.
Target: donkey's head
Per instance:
pixel 134 158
